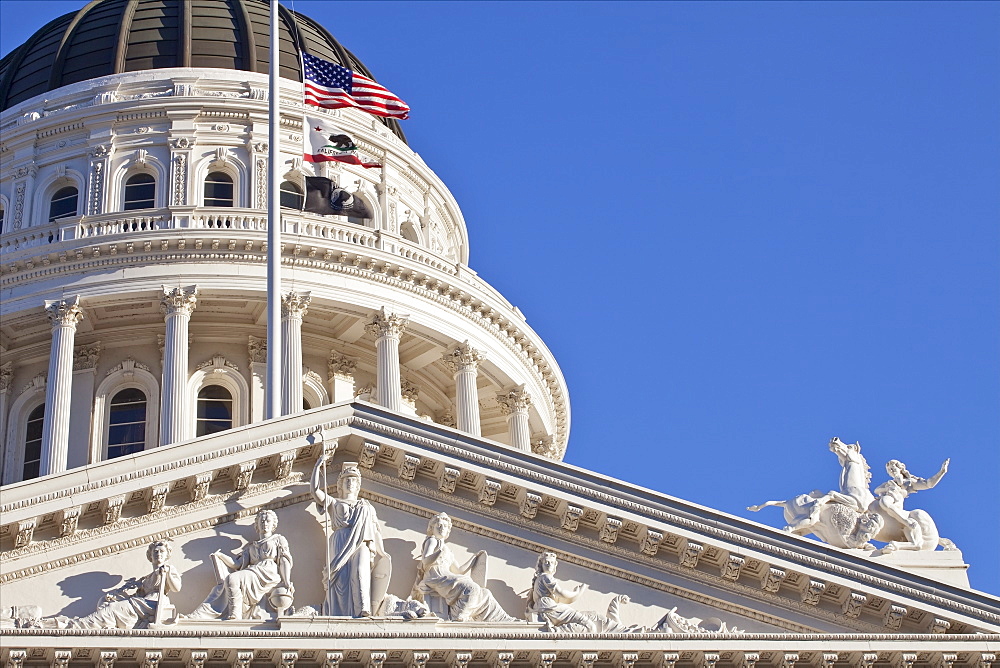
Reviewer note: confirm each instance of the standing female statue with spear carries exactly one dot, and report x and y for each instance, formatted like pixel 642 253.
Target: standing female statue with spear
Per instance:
pixel 357 574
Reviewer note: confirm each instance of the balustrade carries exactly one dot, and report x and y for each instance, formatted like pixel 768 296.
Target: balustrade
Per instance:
pixel 300 226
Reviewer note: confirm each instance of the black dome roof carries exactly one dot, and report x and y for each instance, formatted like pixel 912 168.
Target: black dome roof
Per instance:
pixel 113 36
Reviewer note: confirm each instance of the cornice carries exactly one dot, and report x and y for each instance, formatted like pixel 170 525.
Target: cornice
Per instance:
pixel 435 282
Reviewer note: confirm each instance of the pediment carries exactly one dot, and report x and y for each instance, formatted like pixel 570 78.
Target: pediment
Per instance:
pixel 68 538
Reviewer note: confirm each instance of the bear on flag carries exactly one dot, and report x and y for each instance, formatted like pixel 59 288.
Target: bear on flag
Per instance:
pixel 325 142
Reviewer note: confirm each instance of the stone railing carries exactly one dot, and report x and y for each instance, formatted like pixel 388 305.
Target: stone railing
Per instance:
pixel 297 228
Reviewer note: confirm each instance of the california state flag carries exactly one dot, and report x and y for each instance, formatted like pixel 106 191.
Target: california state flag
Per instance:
pixel 324 142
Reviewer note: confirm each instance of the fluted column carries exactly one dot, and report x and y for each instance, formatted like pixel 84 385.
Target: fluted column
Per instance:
pixel 64 315
pixel 176 304
pixel 387 329
pixel 514 404
pixel 293 309
pixel 463 362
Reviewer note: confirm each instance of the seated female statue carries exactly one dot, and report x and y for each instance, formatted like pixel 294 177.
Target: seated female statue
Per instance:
pixel 453 592
pixel 263 568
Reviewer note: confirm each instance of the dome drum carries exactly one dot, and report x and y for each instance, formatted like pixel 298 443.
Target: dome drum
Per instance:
pixel 138 150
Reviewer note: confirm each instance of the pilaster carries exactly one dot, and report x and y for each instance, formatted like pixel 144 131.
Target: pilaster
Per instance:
pixel 85 360
pixel 340 377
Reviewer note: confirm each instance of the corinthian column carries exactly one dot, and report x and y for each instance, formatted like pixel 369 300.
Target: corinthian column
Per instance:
pixel 387 328
pixel 463 362
pixel 176 304
pixel 293 309
pixel 64 315
pixel 514 404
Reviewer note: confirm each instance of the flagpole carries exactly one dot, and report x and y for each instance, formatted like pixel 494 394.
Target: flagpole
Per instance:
pixel 272 390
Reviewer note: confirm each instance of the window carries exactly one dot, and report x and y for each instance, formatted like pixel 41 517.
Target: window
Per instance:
pixel 3 222
pixel 63 203
pixel 215 410
pixel 219 189
pixel 33 444
pixel 291 195
pixel 140 192
pixel 127 424
pixel 361 211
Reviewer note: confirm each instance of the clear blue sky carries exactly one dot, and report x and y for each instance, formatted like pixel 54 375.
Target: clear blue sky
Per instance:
pixel 742 228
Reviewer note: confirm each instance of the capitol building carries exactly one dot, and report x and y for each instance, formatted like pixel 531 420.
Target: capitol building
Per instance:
pixel 134 149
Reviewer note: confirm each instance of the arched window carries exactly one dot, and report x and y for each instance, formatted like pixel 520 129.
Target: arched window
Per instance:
pixel 219 189
pixel 63 203
pixel 3 222
pixel 32 466
pixel 140 192
pixel 215 410
pixel 291 195
pixel 127 424
pixel 364 211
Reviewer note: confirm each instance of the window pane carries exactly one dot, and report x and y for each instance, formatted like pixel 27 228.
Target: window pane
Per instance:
pixel 215 392
pixel 215 410
pixel 63 204
pixel 218 189
pixel 122 450
pixel 127 433
pixel 140 192
pixel 291 195
pixel 127 429
pixel 33 444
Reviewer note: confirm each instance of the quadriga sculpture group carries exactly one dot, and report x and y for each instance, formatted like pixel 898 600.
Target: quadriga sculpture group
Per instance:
pixel 854 516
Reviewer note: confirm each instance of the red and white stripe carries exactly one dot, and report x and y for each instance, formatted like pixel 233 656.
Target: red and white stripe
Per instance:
pixel 368 96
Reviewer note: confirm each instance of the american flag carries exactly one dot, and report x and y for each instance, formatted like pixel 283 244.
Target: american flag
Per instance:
pixel 333 86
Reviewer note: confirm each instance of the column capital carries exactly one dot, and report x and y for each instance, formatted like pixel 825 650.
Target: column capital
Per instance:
pixel 64 311
pixel 86 357
pixel 409 390
pixel 387 324
pixel 257 349
pixel 6 376
pixel 341 364
pixel 178 300
pixel 294 304
pixel 463 357
pixel 513 401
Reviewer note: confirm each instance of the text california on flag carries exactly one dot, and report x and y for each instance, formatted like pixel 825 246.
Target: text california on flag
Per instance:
pixel 325 142
pixel 333 86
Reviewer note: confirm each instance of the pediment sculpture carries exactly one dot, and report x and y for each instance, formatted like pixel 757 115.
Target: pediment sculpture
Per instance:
pixel 255 584
pixel 358 567
pixel 854 516
pixel 262 571
pixel 136 604
pixel 452 591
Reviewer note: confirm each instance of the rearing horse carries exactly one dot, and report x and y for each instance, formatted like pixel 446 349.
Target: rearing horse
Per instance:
pixel 802 513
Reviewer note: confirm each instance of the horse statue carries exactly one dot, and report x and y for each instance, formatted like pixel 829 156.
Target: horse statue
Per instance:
pixel 852 517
